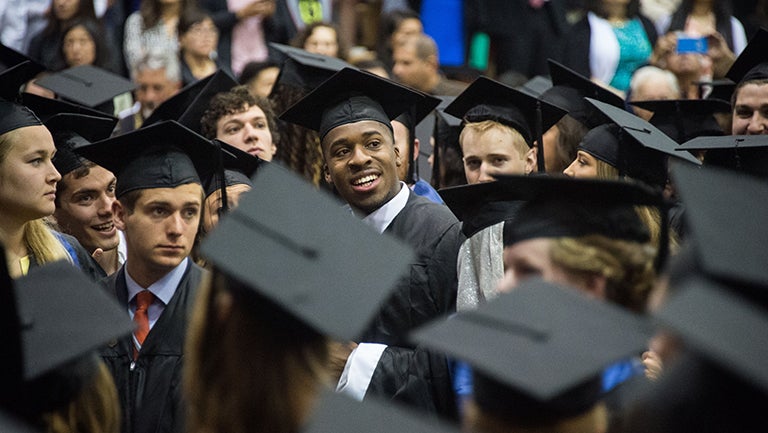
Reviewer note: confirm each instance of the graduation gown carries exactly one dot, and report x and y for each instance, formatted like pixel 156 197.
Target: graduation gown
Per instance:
pixel 406 374
pixel 150 388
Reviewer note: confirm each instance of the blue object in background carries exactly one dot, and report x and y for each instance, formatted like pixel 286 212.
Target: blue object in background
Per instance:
pixel 444 21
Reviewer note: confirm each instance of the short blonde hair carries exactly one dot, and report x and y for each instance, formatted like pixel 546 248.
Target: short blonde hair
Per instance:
pixel 518 142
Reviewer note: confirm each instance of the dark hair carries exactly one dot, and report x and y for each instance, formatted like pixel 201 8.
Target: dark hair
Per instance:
pixel 84 10
pixel 389 24
pixel 571 132
pixel 722 11
pixel 302 36
pixel 253 69
pixel 367 64
pixel 596 7
pixel 78 173
pixel 150 11
pixel 734 96
pixel 236 100
pixel 95 29
pixel 189 17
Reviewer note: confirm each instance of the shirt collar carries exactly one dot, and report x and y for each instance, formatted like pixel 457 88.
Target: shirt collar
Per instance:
pixel 164 288
pixel 382 217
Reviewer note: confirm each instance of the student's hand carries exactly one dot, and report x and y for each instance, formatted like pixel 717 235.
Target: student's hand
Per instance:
pixel 653 365
pixel 338 353
pixel 98 255
pixel 262 8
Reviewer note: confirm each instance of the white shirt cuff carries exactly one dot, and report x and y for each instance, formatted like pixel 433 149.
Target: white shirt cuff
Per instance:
pixel 359 369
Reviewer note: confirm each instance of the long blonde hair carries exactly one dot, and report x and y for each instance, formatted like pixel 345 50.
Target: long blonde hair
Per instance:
pixel 257 369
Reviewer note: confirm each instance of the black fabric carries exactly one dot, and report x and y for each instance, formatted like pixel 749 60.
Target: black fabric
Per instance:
pixel 14 116
pixel 406 374
pixel 150 392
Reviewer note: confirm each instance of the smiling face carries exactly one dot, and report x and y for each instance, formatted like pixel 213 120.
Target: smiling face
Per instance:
pixel 27 175
pixel 584 166
pixel 248 131
pixel 85 208
pixel 160 229
pixel 361 162
pixel 750 110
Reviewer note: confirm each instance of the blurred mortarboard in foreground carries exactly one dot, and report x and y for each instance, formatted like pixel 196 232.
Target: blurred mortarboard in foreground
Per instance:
pixel 164 155
pixel 337 413
pixel 351 96
pixel 12 115
pixel 10 58
pixel 538 351
pixel 188 105
pixel 87 85
pixel 71 131
pixel 60 333
pixel 752 63
pixel 486 99
pixel 8 425
pixel 305 70
pixel 569 91
pixel 684 119
pixel 301 229
pixel 743 153
pixel 536 86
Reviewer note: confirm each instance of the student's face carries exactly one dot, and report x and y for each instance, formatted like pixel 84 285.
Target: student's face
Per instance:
pixel 323 41
pixel 584 166
pixel 247 131
pixel 78 47
pixel 200 39
pixel 85 209
pixel 401 143
pixel 213 204
pixel 492 152
pixel 27 175
pixel 161 230
pixel 65 9
pixel 750 112
pixel 262 84
pixel 409 69
pixel 152 89
pixel 361 162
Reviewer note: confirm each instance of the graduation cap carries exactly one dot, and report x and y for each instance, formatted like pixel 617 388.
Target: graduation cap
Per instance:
pixel 303 237
pixel 60 333
pixel 684 119
pixel 538 351
pixel 351 96
pixel 45 108
pixel 14 77
pixel 536 86
pixel 720 89
pixel 337 413
pixel 188 105
pixel 71 131
pixel 752 63
pixel 164 155
pixel 10 58
pixel 86 85
pixel 486 99
pixel 238 169
pixel 14 116
pixel 410 118
pixel 744 153
pixel 304 70
pixel 480 205
pixel 568 93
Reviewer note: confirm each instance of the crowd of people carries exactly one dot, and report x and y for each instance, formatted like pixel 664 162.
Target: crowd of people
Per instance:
pixel 225 223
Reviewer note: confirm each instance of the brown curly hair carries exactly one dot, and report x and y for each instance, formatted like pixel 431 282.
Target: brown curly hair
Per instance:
pixel 236 100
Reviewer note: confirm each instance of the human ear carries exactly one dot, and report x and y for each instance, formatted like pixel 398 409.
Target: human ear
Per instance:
pixel 531 160
pixel 119 215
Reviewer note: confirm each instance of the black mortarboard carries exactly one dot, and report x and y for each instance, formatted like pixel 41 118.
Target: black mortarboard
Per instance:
pixel 231 177
pixel 684 119
pixel 164 155
pixel 303 237
pixel 479 205
pixel 238 167
pixel 44 107
pixel 536 86
pixel 188 105
pixel 744 153
pixel 10 58
pixel 752 63
pixel 337 413
pixel 87 85
pixel 537 352
pixel 486 99
pixel 305 70
pixel 14 116
pixel 351 96
pixel 60 333
pixel 14 77
pixel 71 131
pixel 563 76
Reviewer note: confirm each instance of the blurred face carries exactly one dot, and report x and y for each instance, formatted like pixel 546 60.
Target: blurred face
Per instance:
pixel 584 166
pixel 152 89
pixel 212 205
pixel 78 47
pixel 85 209
pixel 161 229
pixel 361 162
pixel 653 89
pixel 491 152
pixel 323 41
pixel 262 84
pixel 401 143
pixel 407 28
pixel 65 9
pixel 409 69
pixel 27 175
pixel 750 111
pixel 247 131
pixel 201 38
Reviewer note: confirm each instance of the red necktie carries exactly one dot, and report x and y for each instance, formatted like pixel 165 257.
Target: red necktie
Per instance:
pixel 141 319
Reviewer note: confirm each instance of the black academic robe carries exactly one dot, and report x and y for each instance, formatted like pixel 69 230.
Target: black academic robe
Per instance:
pixel 150 388
pixel 406 374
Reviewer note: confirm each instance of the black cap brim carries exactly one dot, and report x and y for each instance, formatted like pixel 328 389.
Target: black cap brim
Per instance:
pixel 86 84
pixel 752 63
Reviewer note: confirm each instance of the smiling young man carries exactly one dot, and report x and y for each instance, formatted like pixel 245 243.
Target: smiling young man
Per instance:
pixel 352 113
pixel 750 98
pixel 158 207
